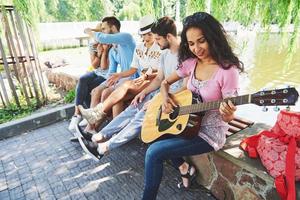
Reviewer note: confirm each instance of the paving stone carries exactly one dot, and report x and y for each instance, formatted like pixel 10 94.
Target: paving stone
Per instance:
pixel 44 164
pixel 32 195
pixel 16 193
pixel 4 195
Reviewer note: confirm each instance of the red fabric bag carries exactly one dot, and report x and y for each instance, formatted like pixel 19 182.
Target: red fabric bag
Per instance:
pixel 279 152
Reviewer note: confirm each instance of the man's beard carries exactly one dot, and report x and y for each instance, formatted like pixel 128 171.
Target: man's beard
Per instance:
pixel 166 46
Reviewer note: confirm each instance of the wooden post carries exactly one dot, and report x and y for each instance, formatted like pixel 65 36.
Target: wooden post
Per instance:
pixel 37 65
pixel 12 48
pixel 25 45
pixel 3 89
pixel 12 56
pixel 35 53
pixel 27 80
pixel 4 105
pixel 7 70
pixel 25 74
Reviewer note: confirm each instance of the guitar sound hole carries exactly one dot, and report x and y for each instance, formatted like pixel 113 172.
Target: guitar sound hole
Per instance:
pixel 174 114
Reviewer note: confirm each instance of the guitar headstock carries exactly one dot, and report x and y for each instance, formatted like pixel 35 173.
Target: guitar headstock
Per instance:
pixel 276 97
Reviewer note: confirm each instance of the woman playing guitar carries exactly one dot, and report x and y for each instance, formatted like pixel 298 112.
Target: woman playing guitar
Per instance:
pixel 206 58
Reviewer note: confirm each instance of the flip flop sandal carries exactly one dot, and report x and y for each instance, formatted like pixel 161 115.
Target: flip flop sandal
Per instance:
pixel 189 176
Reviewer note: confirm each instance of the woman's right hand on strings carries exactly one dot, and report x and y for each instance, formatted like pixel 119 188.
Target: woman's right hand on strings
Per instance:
pixel 168 105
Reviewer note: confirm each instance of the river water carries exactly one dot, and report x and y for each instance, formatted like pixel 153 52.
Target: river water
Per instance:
pixel 268 65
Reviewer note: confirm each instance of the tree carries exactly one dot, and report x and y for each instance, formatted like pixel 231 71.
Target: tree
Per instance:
pixel 96 10
pixel 146 7
pixel 52 10
pixel 66 11
pixel 130 12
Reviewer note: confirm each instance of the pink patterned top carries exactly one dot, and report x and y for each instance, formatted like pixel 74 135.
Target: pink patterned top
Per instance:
pixel 224 83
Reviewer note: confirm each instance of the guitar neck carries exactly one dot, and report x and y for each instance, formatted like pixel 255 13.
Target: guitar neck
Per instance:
pixel 201 107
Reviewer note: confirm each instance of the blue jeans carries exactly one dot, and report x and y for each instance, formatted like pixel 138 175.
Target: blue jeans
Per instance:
pixel 126 126
pixel 173 148
pixel 86 84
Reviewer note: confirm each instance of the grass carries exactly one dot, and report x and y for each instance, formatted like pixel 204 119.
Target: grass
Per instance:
pixel 70 96
pixel 12 112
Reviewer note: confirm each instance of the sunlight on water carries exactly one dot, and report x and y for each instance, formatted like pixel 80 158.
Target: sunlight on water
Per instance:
pixel 271 67
pixel 265 61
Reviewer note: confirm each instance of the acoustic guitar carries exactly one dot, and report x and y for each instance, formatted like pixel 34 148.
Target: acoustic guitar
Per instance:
pixel 183 119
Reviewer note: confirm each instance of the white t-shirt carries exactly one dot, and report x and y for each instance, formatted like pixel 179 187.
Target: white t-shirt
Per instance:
pixel 146 59
pixel 169 63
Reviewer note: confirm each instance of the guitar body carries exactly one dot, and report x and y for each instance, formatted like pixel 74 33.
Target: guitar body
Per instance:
pixel 156 123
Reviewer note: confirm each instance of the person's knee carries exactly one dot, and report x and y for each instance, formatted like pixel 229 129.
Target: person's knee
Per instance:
pixel 97 91
pixel 127 84
pixel 105 93
pixel 84 79
pixel 151 153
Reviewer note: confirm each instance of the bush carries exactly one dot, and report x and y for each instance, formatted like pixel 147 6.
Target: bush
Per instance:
pixel 70 96
pixel 12 112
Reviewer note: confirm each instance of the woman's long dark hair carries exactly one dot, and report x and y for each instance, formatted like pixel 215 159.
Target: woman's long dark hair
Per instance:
pixel 215 35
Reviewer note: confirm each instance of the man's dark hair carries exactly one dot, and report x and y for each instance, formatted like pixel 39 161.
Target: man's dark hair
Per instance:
pixel 112 21
pixel 163 26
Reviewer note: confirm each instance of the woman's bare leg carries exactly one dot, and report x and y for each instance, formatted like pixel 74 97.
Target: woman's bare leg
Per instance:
pixel 96 95
pixel 95 100
pixel 77 112
pixel 117 108
pixel 99 112
pixel 120 93
pixel 105 94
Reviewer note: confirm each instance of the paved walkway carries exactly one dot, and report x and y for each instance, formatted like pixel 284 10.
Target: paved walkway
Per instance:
pixel 44 164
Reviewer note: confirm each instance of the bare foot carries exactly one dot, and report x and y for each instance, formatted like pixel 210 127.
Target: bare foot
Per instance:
pixel 102 148
pixel 98 138
pixel 187 172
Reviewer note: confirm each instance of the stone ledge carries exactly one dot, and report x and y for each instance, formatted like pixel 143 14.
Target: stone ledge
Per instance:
pixel 35 121
pixel 62 80
pixel 231 174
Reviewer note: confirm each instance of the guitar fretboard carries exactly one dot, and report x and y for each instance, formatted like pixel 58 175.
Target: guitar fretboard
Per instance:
pixel 201 107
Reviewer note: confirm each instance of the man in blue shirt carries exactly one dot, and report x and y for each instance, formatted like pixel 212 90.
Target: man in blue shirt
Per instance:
pixel 124 44
pixel 120 55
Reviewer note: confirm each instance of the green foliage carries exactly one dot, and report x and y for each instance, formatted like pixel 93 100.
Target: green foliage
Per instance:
pixel 116 6
pixel 32 11
pixel 266 12
pixel 146 8
pixel 96 10
pixel 64 8
pixel 157 5
pixel 12 112
pixel 130 11
pixel 194 6
pixel 262 12
pixel 70 96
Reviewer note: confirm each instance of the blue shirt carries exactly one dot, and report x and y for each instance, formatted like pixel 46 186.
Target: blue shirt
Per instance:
pixel 122 54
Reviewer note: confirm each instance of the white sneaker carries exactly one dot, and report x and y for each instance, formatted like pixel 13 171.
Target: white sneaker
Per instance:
pixel 74 121
pixel 84 122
